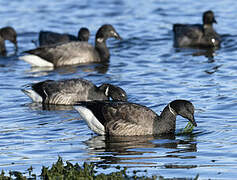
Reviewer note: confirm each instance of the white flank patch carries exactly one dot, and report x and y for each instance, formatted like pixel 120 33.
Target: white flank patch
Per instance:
pixel 36 61
pixel 33 95
pixel 91 120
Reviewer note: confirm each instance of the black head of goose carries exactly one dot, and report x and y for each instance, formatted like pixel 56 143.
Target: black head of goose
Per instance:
pixel 197 35
pixel 49 38
pixel 73 52
pixel 7 33
pixel 70 91
pixel 83 34
pixel 129 119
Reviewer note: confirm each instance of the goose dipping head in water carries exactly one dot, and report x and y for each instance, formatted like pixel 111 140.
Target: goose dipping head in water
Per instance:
pixel 130 119
pixel 70 91
pixel 7 33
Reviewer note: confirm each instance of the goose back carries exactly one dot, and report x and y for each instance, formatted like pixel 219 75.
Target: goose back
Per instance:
pixel 48 37
pixel 67 53
pixel 68 91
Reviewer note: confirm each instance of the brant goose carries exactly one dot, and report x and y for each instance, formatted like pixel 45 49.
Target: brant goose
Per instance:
pixel 7 33
pixel 73 52
pixel 129 119
pixel 48 37
pixel 197 35
pixel 70 91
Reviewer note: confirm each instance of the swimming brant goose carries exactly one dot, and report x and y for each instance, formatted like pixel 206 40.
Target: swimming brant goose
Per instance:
pixel 7 33
pixel 48 37
pixel 197 35
pixel 129 119
pixel 70 91
pixel 73 52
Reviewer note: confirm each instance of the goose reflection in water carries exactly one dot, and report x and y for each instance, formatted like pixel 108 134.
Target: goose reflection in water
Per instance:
pixel 134 150
pixel 49 107
pixel 101 68
pixel 208 53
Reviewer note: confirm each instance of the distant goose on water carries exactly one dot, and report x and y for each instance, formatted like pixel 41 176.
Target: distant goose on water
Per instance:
pixel 73 52
pixel 48 37
pixel 7 33
pixel 197 35
pixel 129 119
pixel 70 91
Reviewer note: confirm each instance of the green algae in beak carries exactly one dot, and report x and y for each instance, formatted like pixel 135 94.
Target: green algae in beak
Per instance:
pixel 188 128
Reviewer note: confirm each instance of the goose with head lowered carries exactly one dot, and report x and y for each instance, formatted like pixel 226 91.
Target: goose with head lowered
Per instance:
pixel 49 38
pixel 197 35
pixel 7 33
pixel 72 53
pixel 130 119
pixel 70 91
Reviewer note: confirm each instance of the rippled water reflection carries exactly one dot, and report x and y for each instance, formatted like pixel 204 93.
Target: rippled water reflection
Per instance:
pixel 147 66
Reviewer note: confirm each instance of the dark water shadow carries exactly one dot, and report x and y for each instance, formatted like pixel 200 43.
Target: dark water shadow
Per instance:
pixel 53 107
pixel 101 68
pixel 137 150
pixel 208 53
pixel 48 107
pixel 228 43
pixel 8 60
pixel 213 69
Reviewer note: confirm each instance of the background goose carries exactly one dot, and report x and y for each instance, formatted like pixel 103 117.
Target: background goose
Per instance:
pixel 7 33
pixel 49 37
pixel 72 90
pixel 129 119
pixel 197 35
pixel 73 52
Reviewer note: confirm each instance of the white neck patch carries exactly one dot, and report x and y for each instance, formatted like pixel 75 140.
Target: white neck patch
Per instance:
pixel 213 40
pixel 107 91
pixel 172 110
pixel 45 93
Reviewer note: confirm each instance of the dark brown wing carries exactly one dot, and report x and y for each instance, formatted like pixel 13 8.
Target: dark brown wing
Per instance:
pixel 128 119
pixel 64 91
pixel 67 53
pixel 194 31
pixel 48 38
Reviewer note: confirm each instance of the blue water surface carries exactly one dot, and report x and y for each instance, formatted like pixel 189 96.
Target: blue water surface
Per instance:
pixel 147 66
